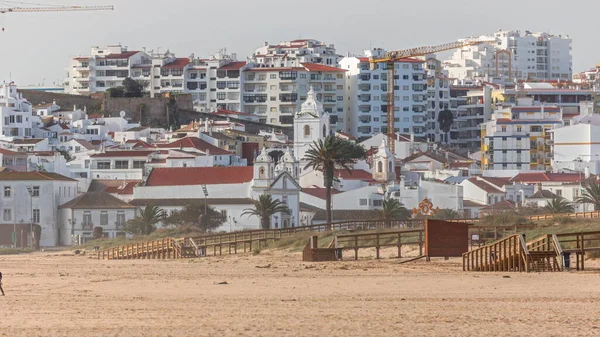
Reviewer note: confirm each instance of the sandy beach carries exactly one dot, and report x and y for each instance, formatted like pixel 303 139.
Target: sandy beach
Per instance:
pixel 276 294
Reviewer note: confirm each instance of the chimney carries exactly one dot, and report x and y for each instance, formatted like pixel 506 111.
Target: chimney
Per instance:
pixel 266 43
pixel 586 172
pixel 210 129
pixel 206 125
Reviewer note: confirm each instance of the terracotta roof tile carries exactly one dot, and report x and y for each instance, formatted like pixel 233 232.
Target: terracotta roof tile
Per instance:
pixel 319 192
pixel 233 66
pixel 177 63
pixel 323 68
pixel 538 177
pixel 200 176
pixel 183 202
pixel 33 176
pixel 196 143
pixel 97 200
pixel 484 185
pixel 109 154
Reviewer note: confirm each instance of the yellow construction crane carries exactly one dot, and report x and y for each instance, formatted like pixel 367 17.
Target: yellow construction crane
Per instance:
pixel 21 7
pixel 394 56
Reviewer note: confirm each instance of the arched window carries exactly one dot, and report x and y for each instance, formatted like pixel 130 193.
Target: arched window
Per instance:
pixel 379 167
pixel 390 166
pixel 261 172
pixel 324 131
pixel 306 131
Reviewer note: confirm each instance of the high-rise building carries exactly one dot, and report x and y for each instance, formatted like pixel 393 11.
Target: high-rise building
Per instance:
pixel 438 98
pixel 518 138
pixel 514 55
pixel 366 96
pixel 294 53
pixel 15 113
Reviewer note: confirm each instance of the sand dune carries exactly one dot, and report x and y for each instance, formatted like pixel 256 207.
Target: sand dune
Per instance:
pixel 276 294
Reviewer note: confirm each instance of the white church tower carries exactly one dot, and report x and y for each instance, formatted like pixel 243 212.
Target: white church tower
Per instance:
pixel 383 164
pixel 310 125
pixel 264 170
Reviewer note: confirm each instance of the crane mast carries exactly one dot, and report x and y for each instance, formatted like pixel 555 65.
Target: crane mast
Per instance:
pixel 394 56
pixel 55 9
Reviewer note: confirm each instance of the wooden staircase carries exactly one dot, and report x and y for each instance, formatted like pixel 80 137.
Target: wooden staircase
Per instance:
pixel 512 254
pixel 158 249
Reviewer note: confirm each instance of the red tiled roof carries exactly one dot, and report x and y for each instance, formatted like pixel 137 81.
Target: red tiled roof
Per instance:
pixel 320 67
pixel 459 164
pixel 44 153
pixel 109 154
pixel 505 205
pixel 178 176
pixel 140 144
pixel 484 186
pixel 469 203
pixel 126 189
pixel 64 126
pixel 27 141
pixel 500 182
pixel 233 66
pixel 178 63
pixel 354 175
pixel 537 177
pixel 319 192
pixel 124 55
pixel 196 143
pixel 12 153
pixel 158 161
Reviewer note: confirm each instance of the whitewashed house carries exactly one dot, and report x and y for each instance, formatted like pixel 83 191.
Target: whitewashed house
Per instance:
pixel 80 216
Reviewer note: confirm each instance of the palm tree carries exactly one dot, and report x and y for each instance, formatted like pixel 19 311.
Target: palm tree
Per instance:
pixel 393 210
pixel 590 195
pixel 445 120
pixel 328 155
pixel 145 223
pixel 264 208
pixel 559 205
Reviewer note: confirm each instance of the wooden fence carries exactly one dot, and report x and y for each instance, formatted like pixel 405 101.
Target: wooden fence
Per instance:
pixel 381 239
pixel 158 249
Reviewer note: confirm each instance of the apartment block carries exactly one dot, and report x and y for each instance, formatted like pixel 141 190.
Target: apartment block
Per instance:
pixel 15 113
pixel 471 106
pixel 519 138
pixel 366 96
pixel 294 53
pixel 438 99
pixel 276 93
pixel 514 55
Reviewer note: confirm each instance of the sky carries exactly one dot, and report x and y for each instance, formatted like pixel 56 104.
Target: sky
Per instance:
pixel 36 46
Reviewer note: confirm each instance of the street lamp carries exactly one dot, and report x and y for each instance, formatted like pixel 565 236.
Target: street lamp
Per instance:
pixel 30 191
pixel 72 222
pixel 276 217
pixel 205 205
pixel 293 223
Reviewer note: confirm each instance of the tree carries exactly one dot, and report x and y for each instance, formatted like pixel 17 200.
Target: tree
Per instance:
pixel 329 155
pixel 193 215
pixel 393 210
pixel 116 92
pixel 446 214
pixel 590 195
pixel 559 205
pixel 264 208
pixel 133 88
pixel 145 223
pixel 98 233
pixel 445 120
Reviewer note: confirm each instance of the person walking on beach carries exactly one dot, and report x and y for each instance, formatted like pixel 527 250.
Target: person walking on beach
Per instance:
pixel 1 290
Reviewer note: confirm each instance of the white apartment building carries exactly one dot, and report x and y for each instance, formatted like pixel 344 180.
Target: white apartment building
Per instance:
pixel 294 53
pixel 438 98
pixel 577 147
pixel 15 113
pixel 471 107
pixel 366 96
pixel 518 138
pixel 276 93
pixel 105 68
pixel 515 55
pixel 33 198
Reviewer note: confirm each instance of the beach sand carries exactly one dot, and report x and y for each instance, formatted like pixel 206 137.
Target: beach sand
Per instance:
pixel 276 294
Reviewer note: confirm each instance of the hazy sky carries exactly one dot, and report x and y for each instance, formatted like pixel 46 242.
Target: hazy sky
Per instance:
pixel 36 46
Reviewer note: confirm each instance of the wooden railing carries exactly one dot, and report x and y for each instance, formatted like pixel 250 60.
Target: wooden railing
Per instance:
pixel 378 240
pixel 167 248
pixel 508 254
pixel 579 243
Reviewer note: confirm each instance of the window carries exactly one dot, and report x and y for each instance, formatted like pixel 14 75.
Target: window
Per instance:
pixel 324 131
pixel 302 75
pixel 273 76
pixel 362 202
pixel 519 129
pixel 138 164
pixel 536 128
pixel 103 165
pixel 35 216
pixel 35 191
pixel 104 218
pixel 504 129
pixel 87 218
pixel 306 135
pixel 221 85
pixel 224 213
pixel 121 164
pixel 221 96
pixel 377 203
pixel 120 219
pixel 7 191
pixel 559 193
pixel 380 167
pixel 19 119
pixel 7 215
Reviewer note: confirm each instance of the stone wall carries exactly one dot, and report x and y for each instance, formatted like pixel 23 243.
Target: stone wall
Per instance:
pixel 65 101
